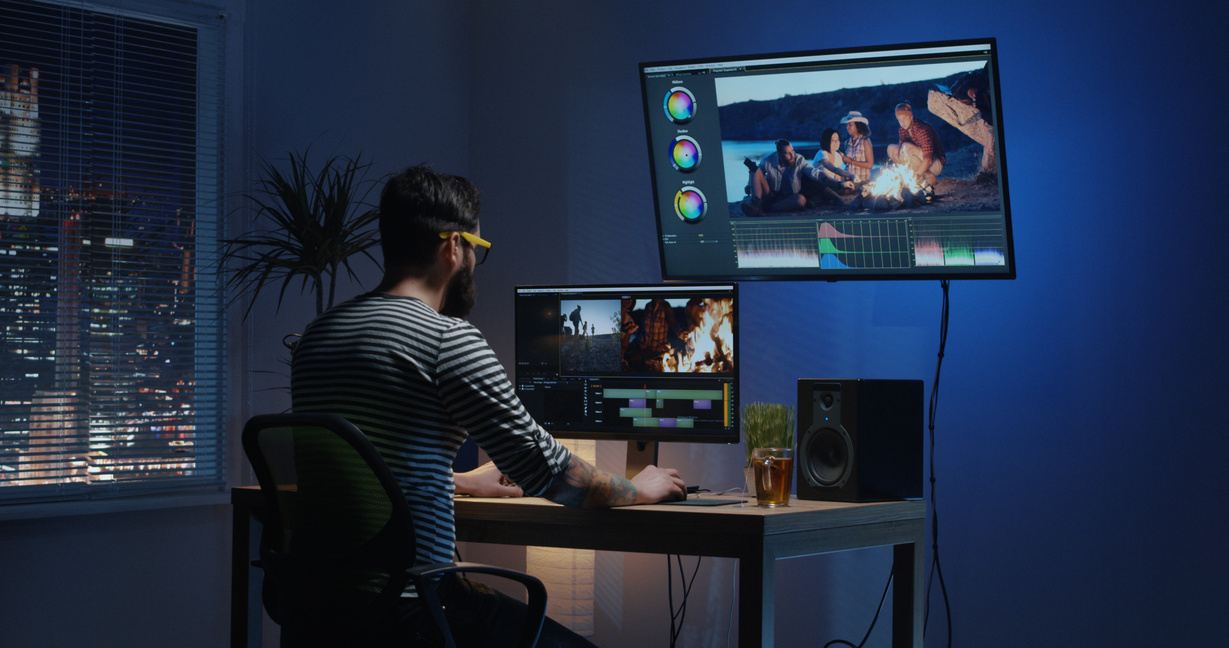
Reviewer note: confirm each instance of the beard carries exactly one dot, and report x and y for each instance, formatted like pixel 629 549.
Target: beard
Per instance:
pixel 461 295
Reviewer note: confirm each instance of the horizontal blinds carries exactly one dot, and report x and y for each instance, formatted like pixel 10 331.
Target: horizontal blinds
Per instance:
pixel 110 200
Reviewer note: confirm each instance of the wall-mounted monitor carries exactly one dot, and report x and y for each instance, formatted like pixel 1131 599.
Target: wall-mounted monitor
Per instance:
pixel 868 163
pixel 630 362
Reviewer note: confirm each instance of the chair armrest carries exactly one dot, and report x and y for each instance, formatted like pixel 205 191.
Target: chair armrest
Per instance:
pixel 535 592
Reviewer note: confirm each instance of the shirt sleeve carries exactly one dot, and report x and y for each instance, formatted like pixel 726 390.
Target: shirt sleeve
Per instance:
pixel 925 139
pixel 476 392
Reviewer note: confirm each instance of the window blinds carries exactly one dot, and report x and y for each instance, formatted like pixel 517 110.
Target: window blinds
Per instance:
pixel 110 212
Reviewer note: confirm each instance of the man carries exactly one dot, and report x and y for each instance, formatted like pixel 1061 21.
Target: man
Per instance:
pixel 401 364
pixel 776 183
pixel 920 148
pixel 575 317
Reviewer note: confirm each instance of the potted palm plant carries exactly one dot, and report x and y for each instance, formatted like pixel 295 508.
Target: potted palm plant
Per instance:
pixel 308 226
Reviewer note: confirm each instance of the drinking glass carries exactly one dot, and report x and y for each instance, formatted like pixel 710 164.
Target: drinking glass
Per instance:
pixel 774 474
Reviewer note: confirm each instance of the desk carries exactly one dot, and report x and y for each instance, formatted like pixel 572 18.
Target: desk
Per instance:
pixel 756 536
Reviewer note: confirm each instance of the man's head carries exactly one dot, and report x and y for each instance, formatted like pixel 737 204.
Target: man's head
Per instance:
pixel 416 207
pixel 904 114
pixel 785 153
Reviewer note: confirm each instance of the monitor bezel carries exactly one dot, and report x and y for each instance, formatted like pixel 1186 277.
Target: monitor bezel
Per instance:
pixel 644 435
pixel 955 272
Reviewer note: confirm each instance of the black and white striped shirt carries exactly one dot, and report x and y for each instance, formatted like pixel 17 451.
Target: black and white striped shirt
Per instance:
pixel 415 382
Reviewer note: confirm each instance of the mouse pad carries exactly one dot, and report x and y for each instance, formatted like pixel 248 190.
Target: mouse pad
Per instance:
pixel 706 502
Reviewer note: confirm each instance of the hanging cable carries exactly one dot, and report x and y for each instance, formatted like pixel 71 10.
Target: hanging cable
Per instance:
pixel 860 644
pixel 677 616
pixel 936 568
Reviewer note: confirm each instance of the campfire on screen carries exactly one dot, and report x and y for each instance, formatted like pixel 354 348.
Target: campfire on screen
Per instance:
pixel 897 186
pixel 710 344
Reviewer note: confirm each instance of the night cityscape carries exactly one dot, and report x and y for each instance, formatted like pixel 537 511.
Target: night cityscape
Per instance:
pixel 109 356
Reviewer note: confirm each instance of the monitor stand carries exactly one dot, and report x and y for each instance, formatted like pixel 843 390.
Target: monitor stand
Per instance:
pixel 640 454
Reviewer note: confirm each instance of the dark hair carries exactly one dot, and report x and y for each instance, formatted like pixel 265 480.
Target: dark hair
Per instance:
pixel 782 143
pixel 825 140
pixel 861 127
pixel 416 206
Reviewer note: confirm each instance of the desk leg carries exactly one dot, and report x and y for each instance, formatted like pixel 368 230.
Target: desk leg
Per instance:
pixel 246 615
pixel 756 599
pixel 908 599
pixel 241 530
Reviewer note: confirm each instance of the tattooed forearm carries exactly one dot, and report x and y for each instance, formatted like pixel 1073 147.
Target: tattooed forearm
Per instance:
pixel 584 486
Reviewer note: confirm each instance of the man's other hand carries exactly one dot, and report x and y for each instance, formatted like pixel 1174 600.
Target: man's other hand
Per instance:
pixel 486 481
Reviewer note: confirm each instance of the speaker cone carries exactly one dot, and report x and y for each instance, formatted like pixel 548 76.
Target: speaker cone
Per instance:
pixel 828 452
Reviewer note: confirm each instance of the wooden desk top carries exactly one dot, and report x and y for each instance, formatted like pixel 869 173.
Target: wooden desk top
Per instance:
pixel 729 531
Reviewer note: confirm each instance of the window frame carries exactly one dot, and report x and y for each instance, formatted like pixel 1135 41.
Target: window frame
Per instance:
pixel 209 443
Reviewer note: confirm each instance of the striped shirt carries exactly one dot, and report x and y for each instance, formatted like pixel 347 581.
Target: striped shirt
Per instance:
pixel 415 382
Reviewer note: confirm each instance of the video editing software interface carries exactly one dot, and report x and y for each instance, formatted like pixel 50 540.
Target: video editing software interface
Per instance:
pixel 710 121
pixel 646 363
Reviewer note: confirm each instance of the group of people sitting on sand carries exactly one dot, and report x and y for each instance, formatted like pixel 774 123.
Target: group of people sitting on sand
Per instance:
pixel 784 181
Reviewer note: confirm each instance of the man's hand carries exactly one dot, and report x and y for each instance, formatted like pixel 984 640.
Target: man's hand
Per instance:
pixel 655 484
pixel 582 485
pixel 486 481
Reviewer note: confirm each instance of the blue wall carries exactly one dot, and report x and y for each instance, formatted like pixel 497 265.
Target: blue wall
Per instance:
pixel 1080 438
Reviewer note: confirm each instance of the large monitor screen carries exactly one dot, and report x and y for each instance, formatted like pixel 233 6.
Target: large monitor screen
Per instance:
pixel 645 363
pixel 871 163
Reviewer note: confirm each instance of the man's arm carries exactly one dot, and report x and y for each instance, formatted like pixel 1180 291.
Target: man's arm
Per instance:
pixel 583 485
pixel 926 139
pixel 817 174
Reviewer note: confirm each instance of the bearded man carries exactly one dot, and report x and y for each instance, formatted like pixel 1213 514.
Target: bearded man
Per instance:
pixel 403 365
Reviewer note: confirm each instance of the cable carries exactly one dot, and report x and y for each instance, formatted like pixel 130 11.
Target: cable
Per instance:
pixel 879 609
pixel 733 593
pixel 677 616
pixel 935 567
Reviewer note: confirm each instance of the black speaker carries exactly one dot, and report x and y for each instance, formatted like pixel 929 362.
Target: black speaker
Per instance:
pixel 859 440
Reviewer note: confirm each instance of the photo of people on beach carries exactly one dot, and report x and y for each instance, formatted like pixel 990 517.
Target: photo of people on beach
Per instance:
pixel 908 138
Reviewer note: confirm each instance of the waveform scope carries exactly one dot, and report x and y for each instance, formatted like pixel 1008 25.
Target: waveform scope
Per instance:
pixel 768 244
pixel 959 241
pixel 864 243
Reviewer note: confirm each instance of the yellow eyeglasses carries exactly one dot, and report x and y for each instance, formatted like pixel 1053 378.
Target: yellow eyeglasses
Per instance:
pixel 475 241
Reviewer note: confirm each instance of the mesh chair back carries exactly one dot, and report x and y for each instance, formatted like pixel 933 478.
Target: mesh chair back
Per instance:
pixel 338 536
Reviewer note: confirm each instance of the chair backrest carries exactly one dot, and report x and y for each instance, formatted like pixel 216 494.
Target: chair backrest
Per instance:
pixel 338 536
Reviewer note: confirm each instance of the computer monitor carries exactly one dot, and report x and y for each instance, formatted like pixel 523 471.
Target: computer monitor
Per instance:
pixel 711 122
pixel 642 363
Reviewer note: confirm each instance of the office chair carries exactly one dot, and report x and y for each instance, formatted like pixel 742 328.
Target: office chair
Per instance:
pixel 338 544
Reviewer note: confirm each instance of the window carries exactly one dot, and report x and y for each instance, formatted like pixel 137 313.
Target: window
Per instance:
pixel 110 201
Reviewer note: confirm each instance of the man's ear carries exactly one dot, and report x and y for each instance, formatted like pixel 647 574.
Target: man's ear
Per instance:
pixel 449 252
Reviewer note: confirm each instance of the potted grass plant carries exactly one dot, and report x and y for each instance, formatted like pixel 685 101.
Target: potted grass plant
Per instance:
pixel 765 425
pixel 308 226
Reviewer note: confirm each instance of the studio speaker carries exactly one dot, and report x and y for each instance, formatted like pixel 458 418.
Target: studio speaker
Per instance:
pixel 859 440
